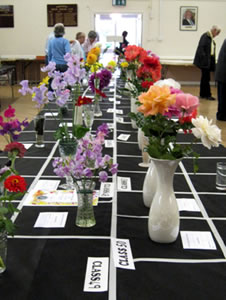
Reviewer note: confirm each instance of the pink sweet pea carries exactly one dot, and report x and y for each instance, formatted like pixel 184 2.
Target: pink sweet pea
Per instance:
pixel 9 112
pixel 186 103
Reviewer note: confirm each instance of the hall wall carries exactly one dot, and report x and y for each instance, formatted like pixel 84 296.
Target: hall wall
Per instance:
pixel 161 32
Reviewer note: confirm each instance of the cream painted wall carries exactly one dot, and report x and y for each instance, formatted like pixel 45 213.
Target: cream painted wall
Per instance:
pixel 161 32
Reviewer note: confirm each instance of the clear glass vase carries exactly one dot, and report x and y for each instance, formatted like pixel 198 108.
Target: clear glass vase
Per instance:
pixel 39 124
pixel 3 251
pixel 85 214
pixel 88 111
pixel 68 148
pixel 97 110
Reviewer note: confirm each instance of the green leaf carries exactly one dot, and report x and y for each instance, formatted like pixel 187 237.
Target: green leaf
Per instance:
pixel 79 131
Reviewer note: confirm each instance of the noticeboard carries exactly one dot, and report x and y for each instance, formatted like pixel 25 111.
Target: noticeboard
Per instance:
pixel 65 13
pixel 6 16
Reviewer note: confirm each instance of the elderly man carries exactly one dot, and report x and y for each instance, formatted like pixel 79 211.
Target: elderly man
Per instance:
pixel 205 60
pixel 90 42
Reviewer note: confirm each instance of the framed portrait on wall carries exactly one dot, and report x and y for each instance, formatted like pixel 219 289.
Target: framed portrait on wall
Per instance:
pixel 188 18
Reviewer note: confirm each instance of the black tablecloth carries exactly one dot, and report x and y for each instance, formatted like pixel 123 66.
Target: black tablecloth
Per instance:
pixel 51 263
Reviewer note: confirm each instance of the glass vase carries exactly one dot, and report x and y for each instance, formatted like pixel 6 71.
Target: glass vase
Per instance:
pixel 88 111
pixel 68 148
pixel 85 214
pixel 39 124
pixel 3 251
pixel 97 110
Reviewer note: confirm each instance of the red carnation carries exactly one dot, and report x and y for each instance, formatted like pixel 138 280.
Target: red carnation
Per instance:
pixel 187 119
pixel 15 183
pixel 15 146
pixel 146 84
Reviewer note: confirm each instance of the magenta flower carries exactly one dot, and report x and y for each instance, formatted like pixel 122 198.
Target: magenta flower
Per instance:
pixel 103 175
pixel 9 112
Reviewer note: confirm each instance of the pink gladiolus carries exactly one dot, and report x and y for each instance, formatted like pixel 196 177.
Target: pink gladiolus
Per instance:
pixel 186 103
pixel 9 112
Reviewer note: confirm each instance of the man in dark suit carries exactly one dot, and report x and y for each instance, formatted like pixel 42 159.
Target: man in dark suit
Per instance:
pixel 220 77
pixel 205 60
pixel 188 18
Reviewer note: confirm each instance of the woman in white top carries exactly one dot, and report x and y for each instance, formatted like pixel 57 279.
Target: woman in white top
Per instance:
pixel 76 46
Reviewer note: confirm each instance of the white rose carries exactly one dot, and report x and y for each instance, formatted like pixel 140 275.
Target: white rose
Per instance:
pixel 209 134
pixel 170 82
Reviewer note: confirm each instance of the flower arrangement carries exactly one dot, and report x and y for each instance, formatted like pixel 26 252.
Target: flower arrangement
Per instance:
pixel 89 162
pixel 111 66
pixel 158 106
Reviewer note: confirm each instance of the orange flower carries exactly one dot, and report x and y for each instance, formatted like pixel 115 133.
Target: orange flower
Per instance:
pixel 134 52
pixel 91 59
pixel 95 51
pixel 156 100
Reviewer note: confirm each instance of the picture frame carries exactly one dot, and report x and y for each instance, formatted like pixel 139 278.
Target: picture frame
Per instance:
pixel 188 18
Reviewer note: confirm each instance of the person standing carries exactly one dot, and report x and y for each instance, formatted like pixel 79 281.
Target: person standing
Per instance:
pixel 76 46
pixel 90 42
pixel 220 77
pixel 205 60
pixel 58 47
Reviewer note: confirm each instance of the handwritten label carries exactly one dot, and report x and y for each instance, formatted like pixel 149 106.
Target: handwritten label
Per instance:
pixel 187 204
pixel 198 240
pixel 110 125
pixel 124 183
pixel 122 254
pixel 118 102
pixel 123 137
pixel 109 143
pixel 119 120
pixel 96 279
pixel 119 111
pixel 106 189
pixel 110 110
pixel 111 99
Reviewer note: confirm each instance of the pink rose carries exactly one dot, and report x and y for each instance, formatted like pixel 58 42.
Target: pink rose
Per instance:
pixel 186 103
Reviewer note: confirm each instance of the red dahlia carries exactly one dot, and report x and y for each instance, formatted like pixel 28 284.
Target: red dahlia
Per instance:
pixel 15 183
pixel 15 146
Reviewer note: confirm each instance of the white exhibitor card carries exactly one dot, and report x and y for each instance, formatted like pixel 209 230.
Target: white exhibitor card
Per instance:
pixel 111 90
pixel 109 143
pixel 49 114
pixel 119 120
pixel 51 220
pixel 110 110
pixel 27 146
pixel 122 254
pixel 111 99
pixel 198 240
pixel 118 102
pixel 124 184
pixel 69 124
pixel 96 278
pixel 48 185
pixel 110 125
pixel 119 111
pixel 123 137
pixel 118 96
pixel 187 204
pixel 106 189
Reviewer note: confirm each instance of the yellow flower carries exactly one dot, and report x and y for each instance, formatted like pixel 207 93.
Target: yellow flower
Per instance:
pixel 156 100
pixel 45 80
pixel 124 64
pixel 112 63
pixel 91 59
pixel 95 51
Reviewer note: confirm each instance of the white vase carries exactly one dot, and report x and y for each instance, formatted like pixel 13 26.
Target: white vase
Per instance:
pixel 149 186
pixel 140 135
pixel 133 109
pixel 163 222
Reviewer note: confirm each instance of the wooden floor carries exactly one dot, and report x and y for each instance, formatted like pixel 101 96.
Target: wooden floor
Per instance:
pixel 25 108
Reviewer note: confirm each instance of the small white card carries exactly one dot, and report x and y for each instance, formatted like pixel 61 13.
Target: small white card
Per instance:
pixel 118 96
pixel 110 125
pixel 119 111
pixel 110 110
pixel 109 143
pixel 106 189
pixel 27 146
pixel 122 254
pixel 124 184
pixel 96 279
pixel 69 124
pixel 198 240
pixel 119 120
pixel 118 102
pixel 49 114
pixel 123 137
pixel 112 90
pixel 111 99
pixel 187 204
pixel 48 185
pixel 51 220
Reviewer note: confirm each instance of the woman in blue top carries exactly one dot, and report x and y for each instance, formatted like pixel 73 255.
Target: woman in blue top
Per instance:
pixel 58 47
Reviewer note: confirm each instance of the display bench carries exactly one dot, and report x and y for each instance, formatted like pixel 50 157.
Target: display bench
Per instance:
pixel 51 263
pixel 26 66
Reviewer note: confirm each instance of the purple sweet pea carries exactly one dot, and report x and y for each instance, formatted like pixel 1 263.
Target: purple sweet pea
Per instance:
pixel 25 89
pixel 103 175
pixel 114 169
